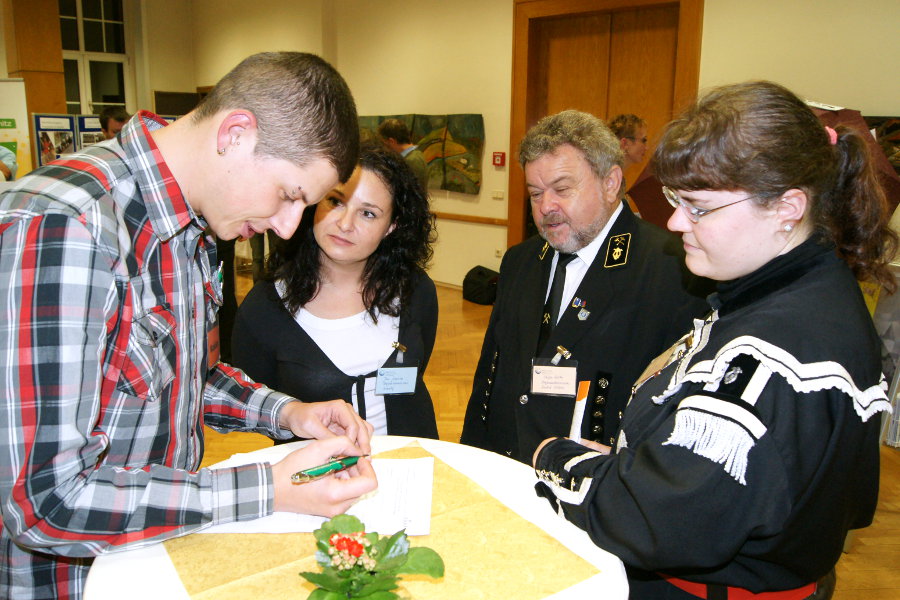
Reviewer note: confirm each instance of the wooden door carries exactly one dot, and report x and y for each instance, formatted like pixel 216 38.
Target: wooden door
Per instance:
pixel 604 57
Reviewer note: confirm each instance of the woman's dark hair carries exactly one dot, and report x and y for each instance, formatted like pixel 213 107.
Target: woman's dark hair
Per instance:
pixel 391 270
pixel 760 138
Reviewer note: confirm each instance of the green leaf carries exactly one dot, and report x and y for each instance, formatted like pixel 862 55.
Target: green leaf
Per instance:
pixel 380 595
pixel 346 524
pixel 424 561
pixel 392 551
pixel 320 594
pixel 328 581
pixel 379 583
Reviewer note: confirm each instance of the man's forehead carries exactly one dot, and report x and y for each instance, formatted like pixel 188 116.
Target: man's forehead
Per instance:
pixel 562 164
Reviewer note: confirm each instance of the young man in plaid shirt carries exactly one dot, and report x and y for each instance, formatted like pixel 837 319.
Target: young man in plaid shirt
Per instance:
pixel 109 290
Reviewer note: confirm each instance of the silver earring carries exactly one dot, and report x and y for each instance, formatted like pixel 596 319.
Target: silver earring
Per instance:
pixel 221 151
pixel 788 227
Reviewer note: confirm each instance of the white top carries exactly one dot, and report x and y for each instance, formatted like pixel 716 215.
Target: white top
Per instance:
pixel 578 267
pixel 357 346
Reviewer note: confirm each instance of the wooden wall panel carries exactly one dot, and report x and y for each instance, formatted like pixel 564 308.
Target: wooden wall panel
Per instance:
pixel 37 44
pixel 34 54
pixel 572 62
pixel 642 70
pixel 532 95
pixel 44 92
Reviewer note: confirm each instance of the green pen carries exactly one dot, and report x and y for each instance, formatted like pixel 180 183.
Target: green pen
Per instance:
pixel 332 466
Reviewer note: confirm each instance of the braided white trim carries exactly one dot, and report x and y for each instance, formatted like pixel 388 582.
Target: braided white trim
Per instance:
pixel 802 377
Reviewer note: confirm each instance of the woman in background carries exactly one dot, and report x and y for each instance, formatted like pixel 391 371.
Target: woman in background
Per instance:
pixel 750 448
pixel 351 313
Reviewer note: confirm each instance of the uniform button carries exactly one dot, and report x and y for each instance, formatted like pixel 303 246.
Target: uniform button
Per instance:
pixel 509 452
pixel 490 382
pixel 597 428
pixel 612 441
pixel 602 382
pixel 598 413
pixel 601 400
pixel 620 414
pixel 523 399
pixel 598 440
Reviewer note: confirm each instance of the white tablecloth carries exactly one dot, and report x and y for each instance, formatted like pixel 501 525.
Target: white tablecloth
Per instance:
pixel 147 573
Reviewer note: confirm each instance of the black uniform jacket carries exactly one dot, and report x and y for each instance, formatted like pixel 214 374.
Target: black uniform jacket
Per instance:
pixel 744 461
pixel 274 350
pixel 639 299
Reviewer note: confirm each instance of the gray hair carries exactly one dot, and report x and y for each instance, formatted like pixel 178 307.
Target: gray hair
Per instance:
pixel 581 130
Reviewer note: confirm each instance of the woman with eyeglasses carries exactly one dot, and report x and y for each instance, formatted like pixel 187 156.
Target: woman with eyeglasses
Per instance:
pixel 750 448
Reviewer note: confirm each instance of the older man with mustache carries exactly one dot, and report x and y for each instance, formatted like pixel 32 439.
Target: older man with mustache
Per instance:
pixel 581 308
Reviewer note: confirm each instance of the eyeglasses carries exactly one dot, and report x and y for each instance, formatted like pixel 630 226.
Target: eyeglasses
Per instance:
pixel 643 140
pixel 690 210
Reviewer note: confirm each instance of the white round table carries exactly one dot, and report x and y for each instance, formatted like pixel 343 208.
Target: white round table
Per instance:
pixel 148 573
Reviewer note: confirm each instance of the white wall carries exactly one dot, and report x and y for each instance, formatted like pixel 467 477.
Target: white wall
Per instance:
pixel 227 31
pixel 435 56
pixel 438 57
pixel 831 51
pixel 164 56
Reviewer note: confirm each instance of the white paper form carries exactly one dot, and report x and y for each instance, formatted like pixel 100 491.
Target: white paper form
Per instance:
pixel 402 501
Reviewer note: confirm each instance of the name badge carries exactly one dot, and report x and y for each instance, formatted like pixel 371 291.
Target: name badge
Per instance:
pixel 560 379
pixel 395 380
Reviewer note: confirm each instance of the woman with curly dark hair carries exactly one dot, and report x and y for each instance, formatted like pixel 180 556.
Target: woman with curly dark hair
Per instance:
pixel 348 311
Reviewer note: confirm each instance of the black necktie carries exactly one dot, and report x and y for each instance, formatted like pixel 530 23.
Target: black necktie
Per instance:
pixel 554 299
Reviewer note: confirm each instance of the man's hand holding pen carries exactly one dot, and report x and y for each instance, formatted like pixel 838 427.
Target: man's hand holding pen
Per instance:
pixel 321 420
pixel 327 495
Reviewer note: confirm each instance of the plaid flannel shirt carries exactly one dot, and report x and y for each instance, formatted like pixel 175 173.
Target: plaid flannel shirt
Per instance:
pixel 106 294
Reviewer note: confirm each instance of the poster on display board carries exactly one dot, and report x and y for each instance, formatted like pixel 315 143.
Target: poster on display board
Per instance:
pixel 14 123
pixel 54 136
pixel 89 131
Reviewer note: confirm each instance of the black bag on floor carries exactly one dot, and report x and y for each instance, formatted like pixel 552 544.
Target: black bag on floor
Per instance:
pixel 480 285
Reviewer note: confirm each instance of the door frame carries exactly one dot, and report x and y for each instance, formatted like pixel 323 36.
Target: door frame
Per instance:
pixel 687 74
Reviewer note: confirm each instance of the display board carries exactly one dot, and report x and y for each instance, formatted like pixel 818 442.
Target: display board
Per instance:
pixel 54 136
pixel 89 130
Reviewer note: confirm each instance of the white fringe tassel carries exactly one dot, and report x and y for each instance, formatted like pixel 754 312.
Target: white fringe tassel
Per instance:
pixel 715 438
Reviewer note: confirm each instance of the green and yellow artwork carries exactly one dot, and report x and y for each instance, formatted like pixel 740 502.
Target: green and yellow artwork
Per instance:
pixel 453 146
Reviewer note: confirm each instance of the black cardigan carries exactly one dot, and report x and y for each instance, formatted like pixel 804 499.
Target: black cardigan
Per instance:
pixel 269 345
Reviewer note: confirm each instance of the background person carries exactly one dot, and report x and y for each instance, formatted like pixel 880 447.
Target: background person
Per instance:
pixel 395 135
pixel 622 297
pixel 8 164
pixel 110 288
pixel 112 119
pixel 751 447
pixel 632 133
pixel 348 289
